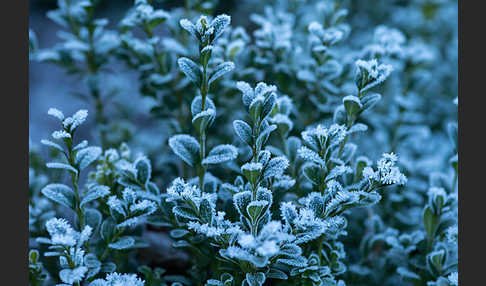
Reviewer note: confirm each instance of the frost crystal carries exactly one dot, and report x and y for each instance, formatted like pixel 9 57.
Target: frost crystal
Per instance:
pixel 247 241
pixel 252 167
pixel 268 248
pixel 61 232
pixel 180 190
pixel 388 173
pixel 116 279
pixel 370 73
pixel 452 234
pixel 60 134
pixel 453 278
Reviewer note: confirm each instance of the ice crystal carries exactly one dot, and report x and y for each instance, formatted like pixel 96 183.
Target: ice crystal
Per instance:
pixel 117 279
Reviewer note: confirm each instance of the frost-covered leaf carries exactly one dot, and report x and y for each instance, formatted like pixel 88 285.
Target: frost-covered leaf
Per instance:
pixel 60 193
pixel 241 201
pixel 86 156
pixel 220 70
pixel 263 137
pixel 370 73
pixel 203 119
pixel 284 124
pixel 370 100
pixel 115 278
pixel 221 154
pixel 94 193
pixel 56 165
pixel 404 272
pixel 196 105
pixel 191 70
pixel 358 127
pixel 352 104
pixel 52 144
pixel 243 130
pixel 313 172
pixel 248 93
pixel 268 105
pixel 56 113
pixel 219 24
pixel 124 242
pixel 185 212
pixel 71 276
pixel 255 208
pixel 251 171
pixel 206 211
pixel 186 147
pixel 309 155
pixel 255 279
pixel 188 26
pixel 276 167
pixel 277 274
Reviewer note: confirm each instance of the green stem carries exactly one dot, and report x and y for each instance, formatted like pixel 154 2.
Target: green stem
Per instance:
pixel 107 249
pixel 202 152
pixel 341 148
pixel 202 137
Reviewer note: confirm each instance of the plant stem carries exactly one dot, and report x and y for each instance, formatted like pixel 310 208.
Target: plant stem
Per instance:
pixel 107 249
pixel 202 137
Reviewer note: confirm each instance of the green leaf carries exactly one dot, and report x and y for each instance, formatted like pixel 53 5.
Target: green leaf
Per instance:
pixel 206 211
pixel 268 105
pixel 178 233
pixel 431 222
pixel 255 109
pixel 274 273
pixel 205 55
pixel 144 170
pixel 255 208
pixel 92 217
pixel 107 228
pixel 108 267
pixel 352 105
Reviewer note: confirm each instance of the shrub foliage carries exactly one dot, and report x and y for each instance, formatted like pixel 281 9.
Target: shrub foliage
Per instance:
pixel 318 149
